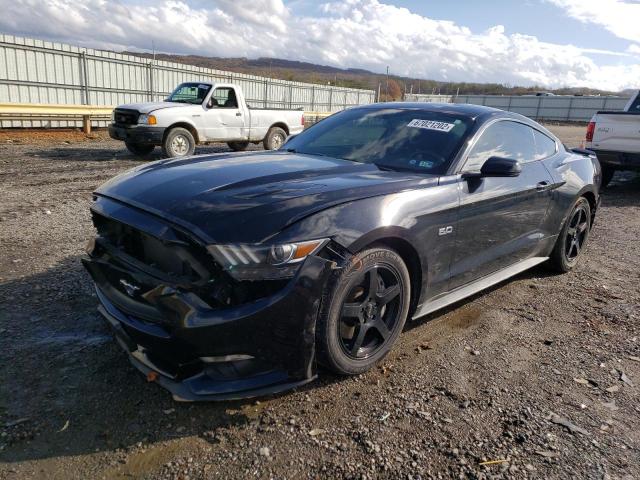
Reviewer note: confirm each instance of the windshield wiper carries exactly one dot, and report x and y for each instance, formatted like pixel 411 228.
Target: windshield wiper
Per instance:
pixel 389 168
pixel 293 150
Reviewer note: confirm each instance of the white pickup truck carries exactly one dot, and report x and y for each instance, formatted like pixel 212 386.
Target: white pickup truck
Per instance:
pixel 615 139
pixel 201 112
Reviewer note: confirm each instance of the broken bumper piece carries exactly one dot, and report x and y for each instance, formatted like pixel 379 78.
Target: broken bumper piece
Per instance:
pixel 204 354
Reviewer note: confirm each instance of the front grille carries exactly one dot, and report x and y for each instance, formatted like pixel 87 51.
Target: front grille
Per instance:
pixel 181 263
pixel 124 116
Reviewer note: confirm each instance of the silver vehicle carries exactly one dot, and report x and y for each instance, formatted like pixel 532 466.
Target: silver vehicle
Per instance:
pixel 201 112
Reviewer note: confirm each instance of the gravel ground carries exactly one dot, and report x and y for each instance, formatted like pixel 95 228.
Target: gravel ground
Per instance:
pixel 538 376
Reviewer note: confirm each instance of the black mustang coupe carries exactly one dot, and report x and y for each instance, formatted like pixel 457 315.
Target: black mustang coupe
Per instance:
pixel 235 275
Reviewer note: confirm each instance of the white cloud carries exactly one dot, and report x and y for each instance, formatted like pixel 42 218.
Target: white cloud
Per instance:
pixel 617 16
pixel 634 49
pixel 350 33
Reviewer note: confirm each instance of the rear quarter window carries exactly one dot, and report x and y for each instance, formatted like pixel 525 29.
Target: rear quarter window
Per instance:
pixel 545 146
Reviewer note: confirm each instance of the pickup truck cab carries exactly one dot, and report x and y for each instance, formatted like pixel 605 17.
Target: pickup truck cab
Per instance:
pixel 201 112
pixel 615 138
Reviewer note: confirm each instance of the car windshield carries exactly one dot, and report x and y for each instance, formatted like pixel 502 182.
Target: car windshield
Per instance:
pixel 189 93
pixel 394 138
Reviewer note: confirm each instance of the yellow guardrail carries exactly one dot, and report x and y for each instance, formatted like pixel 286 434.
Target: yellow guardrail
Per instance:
pixel 53 109
pixel 38 111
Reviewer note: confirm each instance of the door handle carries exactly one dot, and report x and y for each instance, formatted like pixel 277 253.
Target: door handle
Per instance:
pixel 238 114
pixel 543 186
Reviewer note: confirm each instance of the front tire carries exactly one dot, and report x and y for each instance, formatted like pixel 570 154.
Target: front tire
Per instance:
pixel 274 139
pixel 573 237
pixel 178 143
pixel 364 312
pixel 139 149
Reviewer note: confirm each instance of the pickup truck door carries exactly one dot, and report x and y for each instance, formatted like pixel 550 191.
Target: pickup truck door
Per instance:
pixel 224 120
pixel 500 218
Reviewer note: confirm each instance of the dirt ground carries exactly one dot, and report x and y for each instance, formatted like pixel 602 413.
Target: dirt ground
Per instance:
pixel 539 376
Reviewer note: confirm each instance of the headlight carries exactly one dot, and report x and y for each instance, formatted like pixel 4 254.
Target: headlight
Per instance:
pixel 264 262
pixel 145 119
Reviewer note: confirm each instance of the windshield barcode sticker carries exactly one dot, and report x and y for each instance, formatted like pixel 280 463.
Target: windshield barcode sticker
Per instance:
pixel 431 125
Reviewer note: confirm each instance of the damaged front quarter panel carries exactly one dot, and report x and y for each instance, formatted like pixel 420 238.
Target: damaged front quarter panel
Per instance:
pixel 200 351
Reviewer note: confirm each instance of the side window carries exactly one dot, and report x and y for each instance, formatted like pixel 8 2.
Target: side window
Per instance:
pixel 635 106
pixel 545 147
pixel 502 139
pixel 224 98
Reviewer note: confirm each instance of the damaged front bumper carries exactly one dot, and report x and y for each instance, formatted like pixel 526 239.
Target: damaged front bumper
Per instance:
pixel 202 353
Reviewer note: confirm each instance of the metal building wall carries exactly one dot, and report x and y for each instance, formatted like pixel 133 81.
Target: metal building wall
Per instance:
pixel 37 71
pixel 553 108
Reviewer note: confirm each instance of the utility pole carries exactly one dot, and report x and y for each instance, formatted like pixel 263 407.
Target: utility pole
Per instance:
pixel 387 90
pixel 379 84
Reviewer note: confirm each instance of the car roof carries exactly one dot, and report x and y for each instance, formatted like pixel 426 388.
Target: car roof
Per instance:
pixel 460 109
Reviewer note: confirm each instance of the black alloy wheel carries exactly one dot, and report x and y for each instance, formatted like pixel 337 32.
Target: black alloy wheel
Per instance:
pixel 576 234
pixel 370 312
pixel 573 237
pixel 365 311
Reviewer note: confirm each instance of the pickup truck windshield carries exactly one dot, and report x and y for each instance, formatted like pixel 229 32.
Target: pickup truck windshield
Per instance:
pixel 397 139
pixel 189 93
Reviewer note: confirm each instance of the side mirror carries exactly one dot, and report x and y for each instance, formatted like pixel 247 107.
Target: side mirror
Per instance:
pixel 500 167
pixel 211 103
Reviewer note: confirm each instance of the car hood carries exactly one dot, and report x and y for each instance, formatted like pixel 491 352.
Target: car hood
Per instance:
pixel 251 197
pixel 149 107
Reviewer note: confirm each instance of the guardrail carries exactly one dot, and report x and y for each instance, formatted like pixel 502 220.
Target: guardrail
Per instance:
pixel 34 111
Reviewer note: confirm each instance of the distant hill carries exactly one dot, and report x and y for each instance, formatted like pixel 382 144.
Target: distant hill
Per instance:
pixel 355 78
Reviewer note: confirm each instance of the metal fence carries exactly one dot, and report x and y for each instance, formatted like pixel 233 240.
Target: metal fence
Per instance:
pixel 37 71
pixel 551 108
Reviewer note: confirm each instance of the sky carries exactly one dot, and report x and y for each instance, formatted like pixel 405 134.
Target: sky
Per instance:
pixel 550 43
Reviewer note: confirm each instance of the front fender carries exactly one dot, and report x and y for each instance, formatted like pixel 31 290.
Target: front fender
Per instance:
pixel 413 216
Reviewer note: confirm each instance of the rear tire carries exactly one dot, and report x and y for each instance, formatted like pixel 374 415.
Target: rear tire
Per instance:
pixel 238 146
pixel 607 175
pixel 178 143
pixel 573 238
pixel 364 311
pixel 139 149
pixel 274 138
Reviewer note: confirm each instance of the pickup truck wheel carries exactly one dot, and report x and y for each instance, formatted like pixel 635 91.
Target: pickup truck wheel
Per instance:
pixel 364 311
pixel 138 149
pixel 274 139
pixel 238 146
pixel 607 175
pixel 178 143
